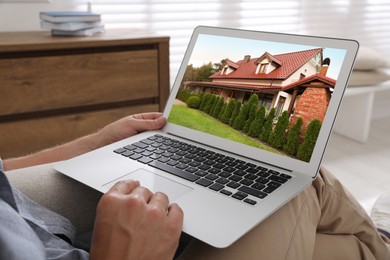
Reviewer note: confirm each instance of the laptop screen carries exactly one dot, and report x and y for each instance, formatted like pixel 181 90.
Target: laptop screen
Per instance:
pixel 270 95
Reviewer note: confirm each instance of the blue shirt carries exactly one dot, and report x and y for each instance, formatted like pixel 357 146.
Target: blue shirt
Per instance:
pixel 30 231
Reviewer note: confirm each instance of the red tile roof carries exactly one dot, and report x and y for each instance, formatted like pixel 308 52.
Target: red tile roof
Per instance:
pixel 232 85
pixel 289 63
pixel 312 78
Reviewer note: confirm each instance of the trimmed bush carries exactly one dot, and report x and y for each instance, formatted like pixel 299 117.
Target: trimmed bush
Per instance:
pixel 278 135
pixel 306 149
pixel 267 129
pixel 193 102
pixel 293 138
pixel 257 124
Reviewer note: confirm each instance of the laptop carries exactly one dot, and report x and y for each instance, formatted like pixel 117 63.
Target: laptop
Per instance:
pixel 248 119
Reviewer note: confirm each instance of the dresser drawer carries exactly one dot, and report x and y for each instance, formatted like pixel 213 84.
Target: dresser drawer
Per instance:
pixel 33 84
pixel 36 134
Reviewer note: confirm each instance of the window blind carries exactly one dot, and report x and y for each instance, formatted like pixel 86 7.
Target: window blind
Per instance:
pixel 365 20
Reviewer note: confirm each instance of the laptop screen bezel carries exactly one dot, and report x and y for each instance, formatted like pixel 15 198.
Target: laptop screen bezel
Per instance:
pixel 285 162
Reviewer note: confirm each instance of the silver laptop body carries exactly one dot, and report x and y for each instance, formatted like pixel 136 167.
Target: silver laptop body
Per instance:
pixel 305 76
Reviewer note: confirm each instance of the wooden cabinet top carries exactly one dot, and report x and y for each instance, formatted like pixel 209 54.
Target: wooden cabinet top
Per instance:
pixel 42 40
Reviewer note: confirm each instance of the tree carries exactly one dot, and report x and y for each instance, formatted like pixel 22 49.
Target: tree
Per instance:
pixel 189 74
pixel 219 66
pixel 293 137
pixel 236 111
pixel 264 135
pixel 306 149
pixel 204 72
pixel 227 114
pixel 278 135
pixel 257 124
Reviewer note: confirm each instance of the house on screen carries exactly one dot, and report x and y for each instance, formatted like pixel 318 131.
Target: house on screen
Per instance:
pixel 295 82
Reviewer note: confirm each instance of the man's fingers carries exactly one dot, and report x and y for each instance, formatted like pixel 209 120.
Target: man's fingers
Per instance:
pixel 160 200
pixel 150 115
pixel 124 187
pixel 175 212
pixel 143 122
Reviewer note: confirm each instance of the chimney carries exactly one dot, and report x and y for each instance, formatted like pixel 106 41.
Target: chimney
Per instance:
pixel 247 58
pixel 325 66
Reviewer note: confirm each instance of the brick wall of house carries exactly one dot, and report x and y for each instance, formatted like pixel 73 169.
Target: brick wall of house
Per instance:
pixel 312 104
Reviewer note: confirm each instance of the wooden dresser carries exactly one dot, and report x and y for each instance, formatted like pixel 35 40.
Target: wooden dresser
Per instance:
pixel 55 89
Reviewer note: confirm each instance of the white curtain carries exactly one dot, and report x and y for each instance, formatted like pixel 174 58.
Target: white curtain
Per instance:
pixel 367 21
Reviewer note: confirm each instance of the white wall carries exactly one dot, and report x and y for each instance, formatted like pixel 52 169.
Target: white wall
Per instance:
pixel 21 16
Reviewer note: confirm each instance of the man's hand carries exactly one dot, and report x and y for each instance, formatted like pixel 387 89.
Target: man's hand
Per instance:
pixel 133 223
pixel 128 126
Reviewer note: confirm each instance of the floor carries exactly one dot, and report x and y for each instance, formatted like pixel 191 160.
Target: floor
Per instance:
pixel 362 167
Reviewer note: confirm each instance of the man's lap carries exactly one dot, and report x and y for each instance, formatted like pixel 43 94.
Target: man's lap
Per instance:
pixel 306 226
pixel 58 193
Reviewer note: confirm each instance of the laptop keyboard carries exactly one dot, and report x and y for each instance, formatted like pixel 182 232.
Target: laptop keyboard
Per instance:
pixel 232 177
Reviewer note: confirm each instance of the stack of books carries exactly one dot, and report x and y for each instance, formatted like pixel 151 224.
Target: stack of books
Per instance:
pixel 74 23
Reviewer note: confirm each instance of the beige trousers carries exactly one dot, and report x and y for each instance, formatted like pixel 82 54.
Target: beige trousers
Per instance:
pixel 322 222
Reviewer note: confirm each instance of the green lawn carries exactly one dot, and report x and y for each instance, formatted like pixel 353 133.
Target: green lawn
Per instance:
pixel 195 119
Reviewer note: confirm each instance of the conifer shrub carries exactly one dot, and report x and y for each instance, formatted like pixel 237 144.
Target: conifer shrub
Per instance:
pixel 201 97
pixel 305 150
pixel 258 122
pixel 253 101
pixel 251 117
pixel 218 107
pixel 236 111
pixel 239 122
pixel 209 104
pixel 223 109
pixel 204 101
pixel 227 113
pixel 267 129
pixel 278 135
pixel 293 137
pixel 215 101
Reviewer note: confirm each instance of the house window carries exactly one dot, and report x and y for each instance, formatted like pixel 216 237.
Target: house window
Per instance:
pixel 263 67
pixel 279 107
pixel 266 100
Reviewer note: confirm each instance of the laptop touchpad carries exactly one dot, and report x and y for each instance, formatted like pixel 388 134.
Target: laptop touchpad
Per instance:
pixel 154 183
